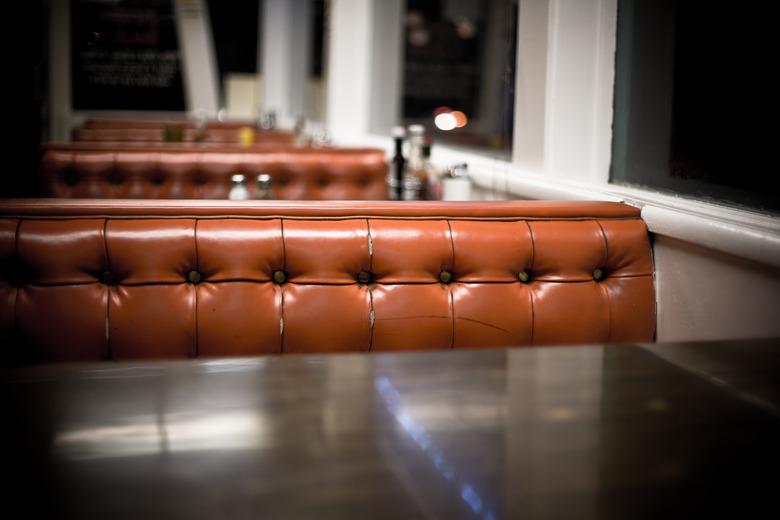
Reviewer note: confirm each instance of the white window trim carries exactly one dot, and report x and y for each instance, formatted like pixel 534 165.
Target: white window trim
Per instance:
pixel 571 170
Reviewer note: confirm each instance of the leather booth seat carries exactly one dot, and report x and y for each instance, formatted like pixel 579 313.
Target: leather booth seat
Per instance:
pixel 151 135
pixel 94 280
pixel 70 171
pixel 102 123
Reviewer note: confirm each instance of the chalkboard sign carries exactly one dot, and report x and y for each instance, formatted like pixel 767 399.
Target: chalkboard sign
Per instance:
pixel 125 56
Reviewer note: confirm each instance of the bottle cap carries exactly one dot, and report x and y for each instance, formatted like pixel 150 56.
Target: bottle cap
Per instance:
pixel 398 131
pixel 416 130
pixel 263 178
pixel 238 178
pixel 458 170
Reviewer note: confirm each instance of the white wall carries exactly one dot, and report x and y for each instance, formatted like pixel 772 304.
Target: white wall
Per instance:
pixel 706 294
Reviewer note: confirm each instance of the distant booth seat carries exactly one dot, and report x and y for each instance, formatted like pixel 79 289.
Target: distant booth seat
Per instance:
pixel 103 123
pixel 117 280
pixel 69 171
pixel 179 133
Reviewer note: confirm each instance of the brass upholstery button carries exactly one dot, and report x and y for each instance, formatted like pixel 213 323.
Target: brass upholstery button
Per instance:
pixel 194 276
pixel 598 274
pixel 364 277
pixel 108 278
pixel 445 277
pixel 523 276
pixel 279 277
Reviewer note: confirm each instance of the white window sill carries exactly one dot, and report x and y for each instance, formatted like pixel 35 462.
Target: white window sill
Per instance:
pixel 742 233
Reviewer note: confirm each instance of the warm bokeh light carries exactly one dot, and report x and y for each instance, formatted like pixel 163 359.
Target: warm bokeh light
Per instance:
pixel 445 121
pixel 441 110
pixel 460 119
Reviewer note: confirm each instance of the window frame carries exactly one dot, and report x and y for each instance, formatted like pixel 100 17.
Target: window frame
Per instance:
pixel 565 80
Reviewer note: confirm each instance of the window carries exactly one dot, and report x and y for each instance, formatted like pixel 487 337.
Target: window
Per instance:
pixel 691 85
pixel 459 70
pixel 234 28
pixel 125 56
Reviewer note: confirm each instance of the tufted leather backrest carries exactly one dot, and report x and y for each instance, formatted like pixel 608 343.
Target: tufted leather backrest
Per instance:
pixel 151 135
pixel 119 280
pixel 160 123
pixel 187 173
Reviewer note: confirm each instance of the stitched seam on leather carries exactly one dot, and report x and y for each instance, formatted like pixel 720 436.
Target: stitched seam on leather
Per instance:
pixel 371 320
pixel 530 290
pixel 313 217
pixel 325 284
pixel 452 247
pixel 603 289
pixel 371 312
pixel 605 292
pixel 284 247
pixel 606 243
pixel 533 246
pixel 281 319
pixel 196 346
pixel 109 352
pixel 370 248
pixel 449 287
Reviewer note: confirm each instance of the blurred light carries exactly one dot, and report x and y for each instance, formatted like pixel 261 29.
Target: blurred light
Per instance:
pixel 460 119
pixel 445 121
pixel 419 37
pixel 465 28
pixel 441 110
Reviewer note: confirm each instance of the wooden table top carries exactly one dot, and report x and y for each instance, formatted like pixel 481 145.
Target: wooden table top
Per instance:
pixel 625 431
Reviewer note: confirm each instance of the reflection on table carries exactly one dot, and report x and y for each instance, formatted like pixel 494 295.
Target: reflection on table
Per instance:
pixel 598 431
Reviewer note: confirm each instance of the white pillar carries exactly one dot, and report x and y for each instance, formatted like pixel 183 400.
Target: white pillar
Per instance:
pixel 199 66
pixel 364 75
pixel 565 76
pixel 530 84
pixel 285 57
pixel 387 71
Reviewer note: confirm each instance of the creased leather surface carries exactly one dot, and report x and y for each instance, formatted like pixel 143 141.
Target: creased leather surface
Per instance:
pixel 186 173
pixel 101 281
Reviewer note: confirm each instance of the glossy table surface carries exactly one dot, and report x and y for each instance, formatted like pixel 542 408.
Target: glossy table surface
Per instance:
pixel 627 431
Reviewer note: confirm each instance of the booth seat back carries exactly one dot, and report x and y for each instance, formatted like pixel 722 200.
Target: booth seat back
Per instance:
pixel 100 123
pixel 151 135
pixel 112 280
pixel 304 174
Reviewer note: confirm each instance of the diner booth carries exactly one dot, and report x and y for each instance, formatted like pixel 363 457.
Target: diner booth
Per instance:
pixel 389 258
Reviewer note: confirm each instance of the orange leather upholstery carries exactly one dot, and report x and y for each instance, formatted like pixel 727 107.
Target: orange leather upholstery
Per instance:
pixel 99 123
pixel 151 135
pixel 191 173
pixel 84 280
pixel 149 130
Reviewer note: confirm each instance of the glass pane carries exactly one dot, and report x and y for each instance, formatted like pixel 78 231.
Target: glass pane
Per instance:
pixel 125 56
pixel 234 28
pixel 459 71
pixel 688 96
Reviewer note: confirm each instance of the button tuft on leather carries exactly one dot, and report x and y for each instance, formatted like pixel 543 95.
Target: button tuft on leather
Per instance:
pixel 523 276
pixel 194 276
pixel 364 277
pixel 279 277
pixel 445 277
pixel 107 278
pixel 598 274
